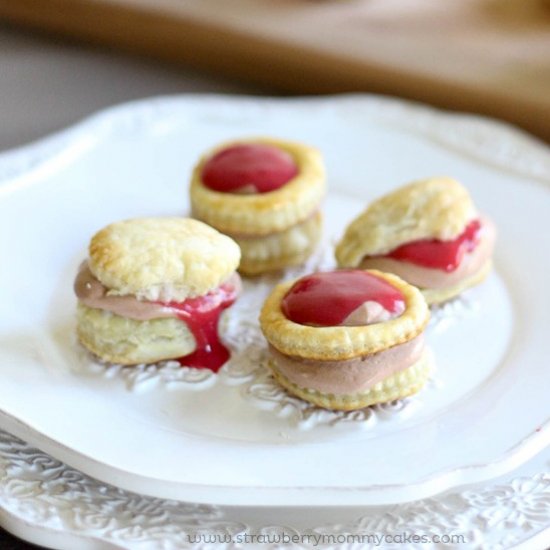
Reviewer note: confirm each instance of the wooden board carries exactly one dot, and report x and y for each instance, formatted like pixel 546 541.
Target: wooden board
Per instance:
pixel 483 56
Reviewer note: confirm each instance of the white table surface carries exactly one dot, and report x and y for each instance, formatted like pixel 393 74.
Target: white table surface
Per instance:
pixel 48 83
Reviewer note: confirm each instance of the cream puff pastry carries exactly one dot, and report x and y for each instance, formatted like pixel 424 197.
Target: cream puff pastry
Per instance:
pixel 153 289
pixel 347 339
pixel 265 194
pixel 429 233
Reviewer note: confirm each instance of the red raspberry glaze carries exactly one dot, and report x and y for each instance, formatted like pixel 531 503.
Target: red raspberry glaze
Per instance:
pixel 436 254
pixel 201 315
pixel 263 166
pixel 326 299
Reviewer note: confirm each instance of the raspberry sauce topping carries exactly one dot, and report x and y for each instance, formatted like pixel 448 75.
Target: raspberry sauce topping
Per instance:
pixel 256 167
pixel 327 299
pixel 201 315
pixel 436 254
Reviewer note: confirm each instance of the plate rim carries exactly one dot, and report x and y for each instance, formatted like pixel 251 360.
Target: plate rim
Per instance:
pixel 92 523
pixel 313 496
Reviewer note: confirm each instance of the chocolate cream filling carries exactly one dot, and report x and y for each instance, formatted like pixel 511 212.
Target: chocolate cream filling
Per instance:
pixel 424 277
pixel 351 376
pixel 92 293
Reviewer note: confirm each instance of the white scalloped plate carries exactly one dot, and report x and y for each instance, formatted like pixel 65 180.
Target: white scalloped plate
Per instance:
pixel 237 438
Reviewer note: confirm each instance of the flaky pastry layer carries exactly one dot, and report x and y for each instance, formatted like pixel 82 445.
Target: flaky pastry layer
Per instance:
pixel 435 208
pixel 126 341
pixel 342 342
pixel 162 258
pixel 397 386
pixel 262 213
pixel 282 249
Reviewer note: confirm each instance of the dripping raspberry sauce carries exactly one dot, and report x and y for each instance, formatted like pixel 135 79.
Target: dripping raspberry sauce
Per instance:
pixel 326 299
pixel 265 167
pixel 201 315
pixel 436 254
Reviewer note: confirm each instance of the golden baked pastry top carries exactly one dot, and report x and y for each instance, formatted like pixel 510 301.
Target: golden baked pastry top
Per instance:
pixel 434 208
pixel 262 213
pixel 162 258
pixel 342 342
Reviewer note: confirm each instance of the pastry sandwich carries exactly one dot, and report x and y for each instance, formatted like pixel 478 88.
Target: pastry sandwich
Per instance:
pixel 153 289
pixel 428 232
pixel 266 195
pixel 347 339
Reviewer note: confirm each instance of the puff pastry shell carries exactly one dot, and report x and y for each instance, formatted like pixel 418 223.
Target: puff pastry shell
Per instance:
pixel 162 258
pixel 262 213
pixel 342 342
pixel 128 342
pixel 279 250
pixel 436 208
